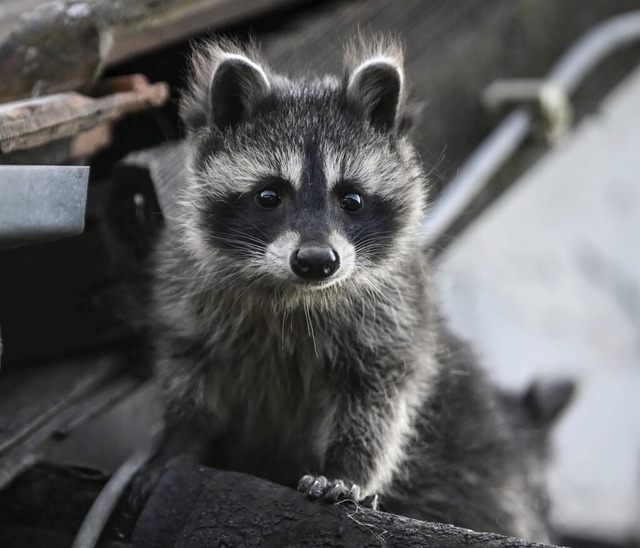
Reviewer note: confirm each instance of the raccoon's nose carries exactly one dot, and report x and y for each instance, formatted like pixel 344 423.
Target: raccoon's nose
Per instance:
pixel 315 262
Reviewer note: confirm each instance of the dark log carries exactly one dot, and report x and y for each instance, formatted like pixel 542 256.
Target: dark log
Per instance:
pixel 195 507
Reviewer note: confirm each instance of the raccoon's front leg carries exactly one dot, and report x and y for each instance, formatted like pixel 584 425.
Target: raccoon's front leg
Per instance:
pixel 366 447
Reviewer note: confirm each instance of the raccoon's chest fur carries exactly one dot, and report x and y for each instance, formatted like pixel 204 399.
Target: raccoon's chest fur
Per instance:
pixel 270 394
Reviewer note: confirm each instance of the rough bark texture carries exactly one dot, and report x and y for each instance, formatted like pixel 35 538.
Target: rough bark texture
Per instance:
pixel 195 507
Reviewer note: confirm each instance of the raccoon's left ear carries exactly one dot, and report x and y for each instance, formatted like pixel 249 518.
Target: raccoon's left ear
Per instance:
pixel 237 85
pixel 376 87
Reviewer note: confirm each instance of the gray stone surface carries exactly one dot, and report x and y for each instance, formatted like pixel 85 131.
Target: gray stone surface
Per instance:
pixel 547 283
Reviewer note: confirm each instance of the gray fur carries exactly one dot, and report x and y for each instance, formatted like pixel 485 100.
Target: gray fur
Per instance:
pixel 354 377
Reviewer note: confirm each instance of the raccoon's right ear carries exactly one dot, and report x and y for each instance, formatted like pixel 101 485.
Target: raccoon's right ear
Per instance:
pixel 376 88
pixel 236 87
pixel 374 80
pixel 546 400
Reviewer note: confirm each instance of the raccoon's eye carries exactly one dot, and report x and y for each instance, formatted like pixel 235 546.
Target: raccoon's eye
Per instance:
pixel 268 198
pixel 351 202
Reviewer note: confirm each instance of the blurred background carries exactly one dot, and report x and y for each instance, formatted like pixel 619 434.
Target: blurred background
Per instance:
pixel 539 267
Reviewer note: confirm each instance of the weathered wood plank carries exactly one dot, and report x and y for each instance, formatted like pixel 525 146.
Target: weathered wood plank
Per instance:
pixel 32 122
pixel 49 47
pixel 36 402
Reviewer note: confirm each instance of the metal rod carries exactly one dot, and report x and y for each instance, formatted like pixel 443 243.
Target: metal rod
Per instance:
pixel 485 161
pixel 496 149
pixel 593 47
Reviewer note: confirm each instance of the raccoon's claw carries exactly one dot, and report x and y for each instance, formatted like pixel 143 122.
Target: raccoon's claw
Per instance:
pixel 319 487
pixel 372 501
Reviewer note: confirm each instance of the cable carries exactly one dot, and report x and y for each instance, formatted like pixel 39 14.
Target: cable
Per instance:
pixel 100 512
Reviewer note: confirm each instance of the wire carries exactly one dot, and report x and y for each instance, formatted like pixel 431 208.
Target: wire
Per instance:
pixel 100 512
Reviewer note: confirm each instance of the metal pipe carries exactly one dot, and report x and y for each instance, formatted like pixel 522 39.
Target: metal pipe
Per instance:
pixel 496 149
pixel 485 161
pixel 614 33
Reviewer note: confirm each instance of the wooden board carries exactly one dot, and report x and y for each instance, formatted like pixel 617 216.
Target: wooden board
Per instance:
pixel 37 402
pixel 33 122
pixel 48 47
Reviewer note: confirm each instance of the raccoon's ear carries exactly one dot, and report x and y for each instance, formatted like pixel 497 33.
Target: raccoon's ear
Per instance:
pixel 376 87
pixel 237 85
pixel 546 400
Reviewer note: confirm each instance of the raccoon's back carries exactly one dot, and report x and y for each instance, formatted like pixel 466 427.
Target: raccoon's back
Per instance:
pixel 470 465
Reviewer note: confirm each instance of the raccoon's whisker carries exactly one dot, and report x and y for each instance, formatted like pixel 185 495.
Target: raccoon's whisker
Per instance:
pixel 244 233
pixel 221 275
pixel 177 218
pixel 374 234
pixel 223 284
pixel 252 283
pixel 245 239
pixel 247 251
pixel 284 318
pixel 220 272
pixel 187 278
pixel 369 235
pixel 377 289
pixel 310 328
pixel 232 279
pixel 435 168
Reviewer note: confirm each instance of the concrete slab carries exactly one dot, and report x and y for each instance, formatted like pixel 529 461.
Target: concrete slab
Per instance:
pixel 547 283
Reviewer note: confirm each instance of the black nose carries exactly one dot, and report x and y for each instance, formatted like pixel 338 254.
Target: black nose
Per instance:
pixel 315 262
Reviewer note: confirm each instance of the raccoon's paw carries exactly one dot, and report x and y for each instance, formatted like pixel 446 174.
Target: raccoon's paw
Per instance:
pixel 332 491
pixel 319 487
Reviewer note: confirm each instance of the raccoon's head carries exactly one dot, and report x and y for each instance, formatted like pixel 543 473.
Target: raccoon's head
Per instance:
pixel 301 184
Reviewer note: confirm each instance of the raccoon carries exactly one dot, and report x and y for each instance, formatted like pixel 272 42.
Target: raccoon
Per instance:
pixel 296 335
